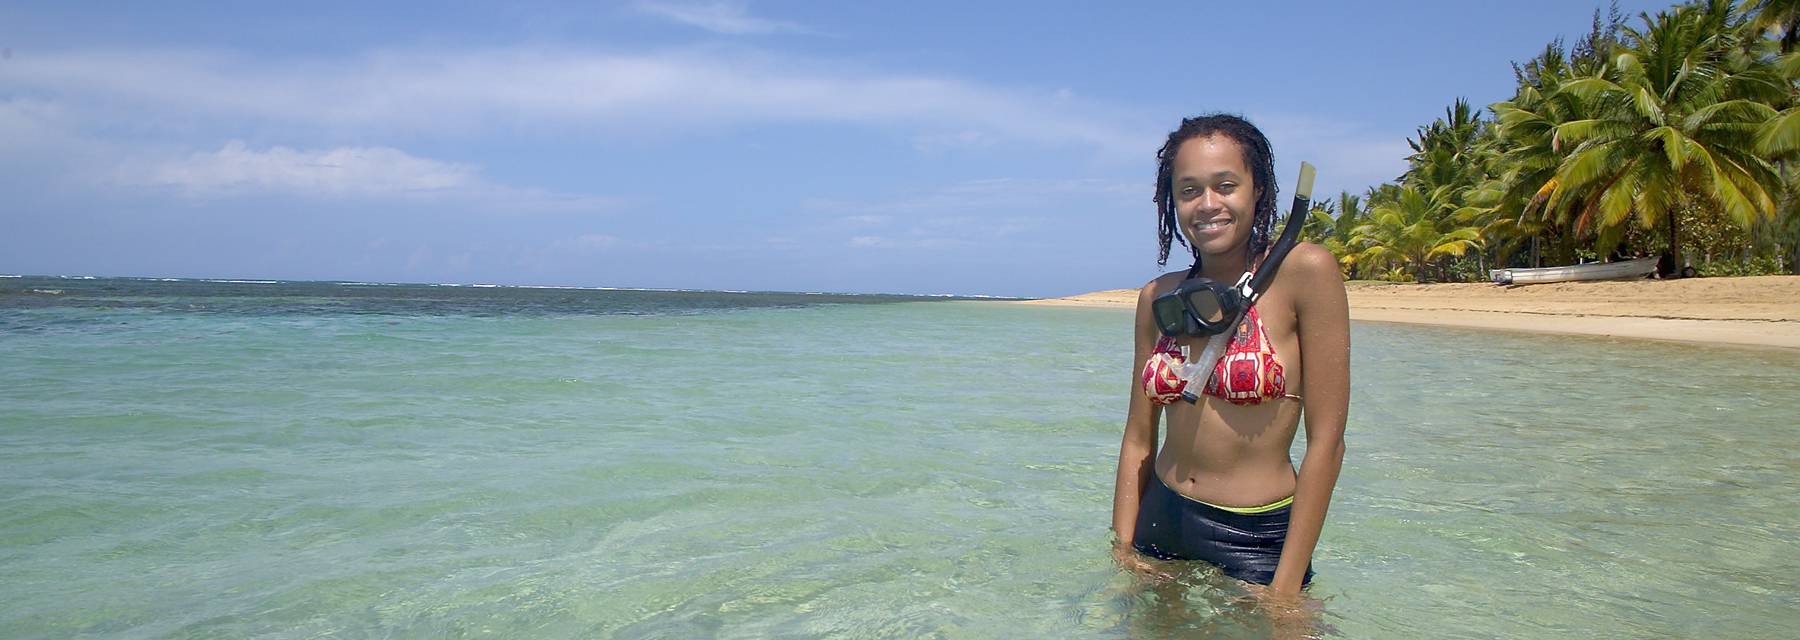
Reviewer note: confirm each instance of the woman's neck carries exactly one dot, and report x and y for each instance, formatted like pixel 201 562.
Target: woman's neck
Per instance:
pixel 1226 267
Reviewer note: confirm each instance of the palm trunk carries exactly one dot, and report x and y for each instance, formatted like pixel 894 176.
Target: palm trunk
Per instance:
pixel 1674 249
pixel 1794 256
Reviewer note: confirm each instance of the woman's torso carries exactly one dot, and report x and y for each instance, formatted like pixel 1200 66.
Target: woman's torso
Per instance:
pixel 1237 454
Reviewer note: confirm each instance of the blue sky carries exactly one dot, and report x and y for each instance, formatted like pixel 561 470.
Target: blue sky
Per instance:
pixel 968 148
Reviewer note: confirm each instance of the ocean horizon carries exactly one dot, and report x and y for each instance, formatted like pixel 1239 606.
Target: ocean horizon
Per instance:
pixel 194 458
pixel 482 285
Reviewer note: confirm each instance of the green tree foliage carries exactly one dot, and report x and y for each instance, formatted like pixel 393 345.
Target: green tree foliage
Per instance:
pixel 1331 224
pixel 1675 119
pixel 1686 119
pixel 1776 18
pixel 1408 232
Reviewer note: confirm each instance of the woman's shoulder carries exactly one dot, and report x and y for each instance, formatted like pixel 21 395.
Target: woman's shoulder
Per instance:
pixel 1314 279
pixel 1312 263
pixel 1311 255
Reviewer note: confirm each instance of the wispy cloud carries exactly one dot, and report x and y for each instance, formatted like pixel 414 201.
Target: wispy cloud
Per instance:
pixel 730 18
pixel 38 131
pixel 983 197
pixel 1349 155
pixel 342 172
pixel 912 242
pixel 867 221
pixel 586 243
pixel 558 90
pixel 964 214
pixel 22 116
pixel 951 141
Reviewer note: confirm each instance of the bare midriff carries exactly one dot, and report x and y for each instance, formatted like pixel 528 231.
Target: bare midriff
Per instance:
pixel 1230 455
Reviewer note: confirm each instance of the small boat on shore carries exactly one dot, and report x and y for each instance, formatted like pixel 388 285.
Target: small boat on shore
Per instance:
pixel 1621 270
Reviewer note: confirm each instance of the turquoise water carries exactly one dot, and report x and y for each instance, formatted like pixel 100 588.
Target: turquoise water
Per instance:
pixel 298 460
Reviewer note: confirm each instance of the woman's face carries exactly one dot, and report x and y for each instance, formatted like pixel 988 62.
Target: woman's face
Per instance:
pixel 1215 199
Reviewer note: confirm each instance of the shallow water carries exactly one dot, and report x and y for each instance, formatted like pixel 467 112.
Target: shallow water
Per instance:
pixel 287 460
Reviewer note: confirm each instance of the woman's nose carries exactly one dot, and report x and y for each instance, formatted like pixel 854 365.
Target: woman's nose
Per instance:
pixel 1210 199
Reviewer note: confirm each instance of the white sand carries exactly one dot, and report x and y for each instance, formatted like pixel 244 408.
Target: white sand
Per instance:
pixel 1761 311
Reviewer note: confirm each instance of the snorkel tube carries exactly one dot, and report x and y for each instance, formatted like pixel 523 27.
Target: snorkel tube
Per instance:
pixel 1251 288
pixel 1290 236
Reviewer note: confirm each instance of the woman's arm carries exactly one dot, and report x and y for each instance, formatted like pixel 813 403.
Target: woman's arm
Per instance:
pixel 1137 451
pixel 1323 317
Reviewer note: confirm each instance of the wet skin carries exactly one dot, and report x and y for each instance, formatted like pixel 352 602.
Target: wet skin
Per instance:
pixel 1237 455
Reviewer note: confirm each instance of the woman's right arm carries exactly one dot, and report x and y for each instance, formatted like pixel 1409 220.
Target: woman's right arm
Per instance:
pixel 1137 451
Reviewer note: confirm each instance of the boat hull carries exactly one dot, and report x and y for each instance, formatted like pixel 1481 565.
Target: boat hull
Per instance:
pixel 1624 269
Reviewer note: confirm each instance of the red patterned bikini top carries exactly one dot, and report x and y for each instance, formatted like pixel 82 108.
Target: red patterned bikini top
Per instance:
pixel 1247 374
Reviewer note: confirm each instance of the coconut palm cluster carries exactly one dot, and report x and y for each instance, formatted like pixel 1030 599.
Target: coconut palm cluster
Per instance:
pixel 1674 135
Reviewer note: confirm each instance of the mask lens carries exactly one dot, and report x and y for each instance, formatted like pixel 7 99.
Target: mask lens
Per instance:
pixel 1169 315
pixel 1207 306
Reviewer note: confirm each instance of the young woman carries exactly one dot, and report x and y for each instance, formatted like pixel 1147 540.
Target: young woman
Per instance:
pixel 1223 489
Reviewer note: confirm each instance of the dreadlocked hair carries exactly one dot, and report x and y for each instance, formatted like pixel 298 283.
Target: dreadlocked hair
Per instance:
pixel 1257 156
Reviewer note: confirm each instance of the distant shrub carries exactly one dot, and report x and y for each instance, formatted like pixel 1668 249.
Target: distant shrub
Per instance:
pixel 1757 266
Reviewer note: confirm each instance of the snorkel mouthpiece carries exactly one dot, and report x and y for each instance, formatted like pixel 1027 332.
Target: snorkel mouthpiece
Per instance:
pixel 1192 371
pixel 1303 191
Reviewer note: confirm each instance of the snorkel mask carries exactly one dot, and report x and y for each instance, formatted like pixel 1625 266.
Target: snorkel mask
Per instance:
pixel 1203 307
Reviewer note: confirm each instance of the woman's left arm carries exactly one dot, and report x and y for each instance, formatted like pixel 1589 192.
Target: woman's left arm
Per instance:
pixel 1322 314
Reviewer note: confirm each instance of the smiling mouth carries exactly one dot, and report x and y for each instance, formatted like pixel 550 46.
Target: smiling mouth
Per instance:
pixel 1214 225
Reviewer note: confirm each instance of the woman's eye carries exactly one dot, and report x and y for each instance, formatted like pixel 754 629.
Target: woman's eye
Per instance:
pixel 1188 191
pixel 1227 188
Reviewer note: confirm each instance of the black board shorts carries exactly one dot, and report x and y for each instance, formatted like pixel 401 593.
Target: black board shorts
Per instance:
pixel 1247 546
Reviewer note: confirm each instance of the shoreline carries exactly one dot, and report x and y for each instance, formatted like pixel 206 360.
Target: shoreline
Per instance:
pixel 1755 311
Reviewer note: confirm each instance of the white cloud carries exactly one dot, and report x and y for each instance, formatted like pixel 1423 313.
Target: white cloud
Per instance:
pixel 557 90
pixel 949 141
pixel 930 243
pixel 730 18
pixel 866 221
pixel 343 172
pixel 586 243
pixel 965 214
pixel 984 197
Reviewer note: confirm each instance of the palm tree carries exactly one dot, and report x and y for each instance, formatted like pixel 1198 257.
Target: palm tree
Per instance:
pixel 1675 118
pixel 1502 232
pixel 1450 161
pixel 1445 154
pixel 1779 16
pixel 1779 138
pixel 1529 151
pixel 1330 224
pixel 1409 231
pixel 1783 232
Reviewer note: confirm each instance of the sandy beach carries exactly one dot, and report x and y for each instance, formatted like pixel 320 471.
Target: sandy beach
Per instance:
pixel 1760 311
